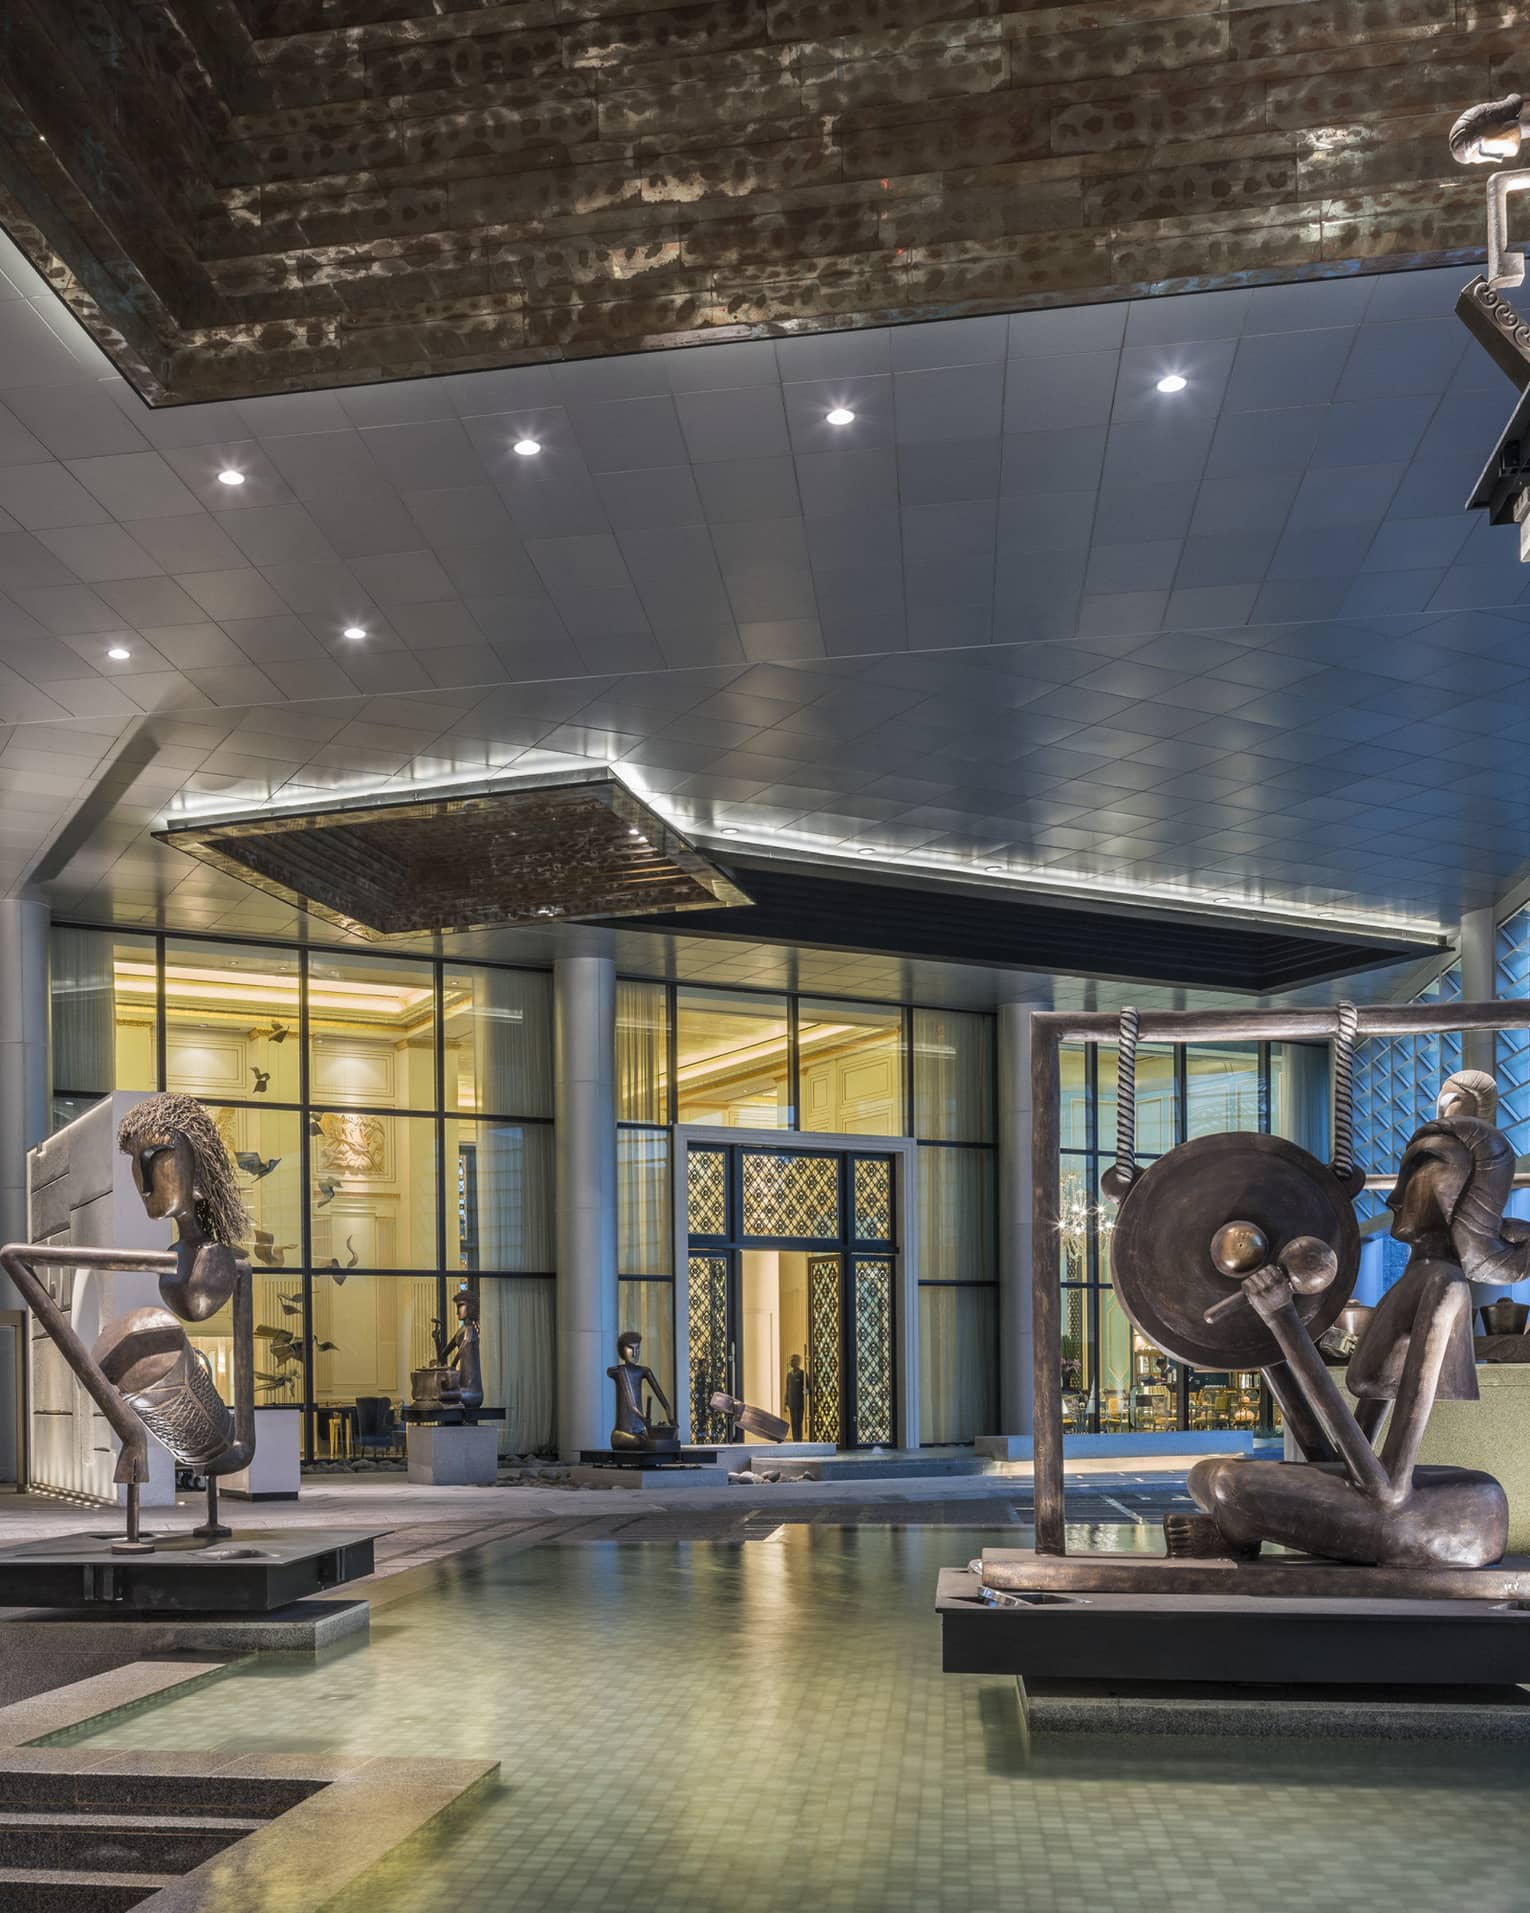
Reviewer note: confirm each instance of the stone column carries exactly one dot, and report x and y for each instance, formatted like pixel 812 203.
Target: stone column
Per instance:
pixel 1014 1246
pixel 1479 977
pixel 584 1062
pixel 26 1086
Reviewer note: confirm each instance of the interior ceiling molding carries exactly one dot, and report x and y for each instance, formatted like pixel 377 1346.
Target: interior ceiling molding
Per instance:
pixel 566 847
pixel 256 196
pixel 798 905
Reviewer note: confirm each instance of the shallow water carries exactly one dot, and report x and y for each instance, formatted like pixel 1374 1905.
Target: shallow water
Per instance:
pixel 694 1727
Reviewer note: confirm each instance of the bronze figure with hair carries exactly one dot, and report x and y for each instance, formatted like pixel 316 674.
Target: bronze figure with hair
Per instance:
pixel 142 1372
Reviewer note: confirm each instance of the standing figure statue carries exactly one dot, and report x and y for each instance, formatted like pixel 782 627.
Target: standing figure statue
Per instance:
pixel 1347 1499
pixel 635 1427
pixel 794 1397
pixel 143 1374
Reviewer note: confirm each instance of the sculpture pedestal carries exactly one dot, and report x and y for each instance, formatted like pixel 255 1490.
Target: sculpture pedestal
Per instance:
pixel 273 1474
pixel 453 1457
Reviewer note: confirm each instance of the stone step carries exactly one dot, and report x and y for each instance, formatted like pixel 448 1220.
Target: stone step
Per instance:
pixel 181 1795
pixel 33 1890
pixel 119 1843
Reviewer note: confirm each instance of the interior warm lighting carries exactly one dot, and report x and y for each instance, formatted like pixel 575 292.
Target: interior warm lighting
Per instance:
pixel 119 654
pixel 230 477
pixel 265 990
pixel 1172 382
pixel 527 447
pixel 353 631
pixel 841 415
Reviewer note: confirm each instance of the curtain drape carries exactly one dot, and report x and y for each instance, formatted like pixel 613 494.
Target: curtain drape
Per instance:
pixel 642 1052
pixel 520 1361
pixel 953 1076
pixel 649 1307
pixel 957 1328
pixel 512 1041
pixel 82 1010
pixel 643 1202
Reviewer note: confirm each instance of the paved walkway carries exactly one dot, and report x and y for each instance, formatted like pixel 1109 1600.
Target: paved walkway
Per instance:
pixel 419 1524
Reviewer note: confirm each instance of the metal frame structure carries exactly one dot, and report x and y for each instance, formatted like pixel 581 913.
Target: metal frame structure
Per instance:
pixel 1050 1029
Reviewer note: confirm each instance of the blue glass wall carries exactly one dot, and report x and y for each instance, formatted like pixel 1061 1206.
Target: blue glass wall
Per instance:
pixel 1396 1081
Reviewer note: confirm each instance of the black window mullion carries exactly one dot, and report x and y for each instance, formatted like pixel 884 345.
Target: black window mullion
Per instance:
pixel 794 1059
pixel 161 1043
pixel 442 1194
pixel 305 1212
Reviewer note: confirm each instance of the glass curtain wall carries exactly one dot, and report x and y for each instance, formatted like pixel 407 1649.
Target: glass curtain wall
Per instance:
pixel 808 1065
pixel 390 1119
pixel 1113 1380
pixel 1397 1079
pixel 953 1123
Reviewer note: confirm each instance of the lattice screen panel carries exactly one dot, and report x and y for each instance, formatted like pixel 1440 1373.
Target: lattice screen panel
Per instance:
pixel 873 1351
pixel 706 1192
pixel 873 1199
pixel 708 1324
pixel 791 1196
pixel 824 1392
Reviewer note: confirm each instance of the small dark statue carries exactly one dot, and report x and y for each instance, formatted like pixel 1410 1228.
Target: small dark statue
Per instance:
pixel 635 1427
pixel 1347 1500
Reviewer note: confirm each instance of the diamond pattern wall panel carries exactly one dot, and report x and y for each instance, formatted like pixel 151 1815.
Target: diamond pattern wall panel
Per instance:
pixel 1396 1081
pixel 1512 1057
pixel 825 1394
pixel 707 1320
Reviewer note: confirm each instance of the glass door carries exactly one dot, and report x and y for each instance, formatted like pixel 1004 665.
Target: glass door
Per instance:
pixel 792 1267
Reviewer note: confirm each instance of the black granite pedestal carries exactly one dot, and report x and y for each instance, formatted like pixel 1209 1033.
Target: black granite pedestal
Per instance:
pixel 252 1571
pixel 1250 1640
pixel 646 1458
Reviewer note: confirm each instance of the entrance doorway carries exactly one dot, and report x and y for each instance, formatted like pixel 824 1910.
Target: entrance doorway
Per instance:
pixel 791 1270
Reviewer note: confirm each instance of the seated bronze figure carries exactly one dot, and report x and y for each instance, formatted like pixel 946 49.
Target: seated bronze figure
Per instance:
pixel 1349 1499
pixel 635 1425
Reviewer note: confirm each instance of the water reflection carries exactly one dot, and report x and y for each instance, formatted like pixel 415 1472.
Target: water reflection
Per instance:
pixel 763 1726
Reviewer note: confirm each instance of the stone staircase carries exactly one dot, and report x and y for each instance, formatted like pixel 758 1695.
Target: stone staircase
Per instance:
pixel 103 1842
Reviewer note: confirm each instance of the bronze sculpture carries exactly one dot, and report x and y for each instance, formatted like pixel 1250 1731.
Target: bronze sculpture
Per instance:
pixel 635 1427
pixel 143 1374
pixel 1347 1499
pixel 465 1390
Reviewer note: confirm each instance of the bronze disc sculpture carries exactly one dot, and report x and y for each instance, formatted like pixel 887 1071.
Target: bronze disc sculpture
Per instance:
pixel 1162 1258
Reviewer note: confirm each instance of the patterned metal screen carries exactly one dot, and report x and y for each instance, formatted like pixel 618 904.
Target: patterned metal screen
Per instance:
pixel 873 1199
pixel 824 1403
pixel 873 1351
pixel 1512 1061
pixel 791 1196
pixel 708 1321
pixel 706 1192
pixel 1396 1081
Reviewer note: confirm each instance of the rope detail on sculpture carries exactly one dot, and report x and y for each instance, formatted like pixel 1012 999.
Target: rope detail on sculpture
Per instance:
pixel 1118 1178
pixel 1342 1161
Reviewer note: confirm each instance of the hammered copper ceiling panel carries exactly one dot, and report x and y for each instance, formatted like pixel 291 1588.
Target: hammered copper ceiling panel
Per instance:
pixel 472 860
pixel 247 196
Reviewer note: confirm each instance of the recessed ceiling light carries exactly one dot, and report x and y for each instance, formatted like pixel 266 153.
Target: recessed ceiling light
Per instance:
pixel 633 831
pixel 994 870
pixel 119 654
pixel 1171 382
pixel 730 830
pixel 353 631
pixel 527 447
pixel 231 477
pixel 866 853
pixel 841 415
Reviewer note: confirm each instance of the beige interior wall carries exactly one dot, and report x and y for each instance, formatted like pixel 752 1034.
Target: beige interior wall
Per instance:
pixel 853 1090
pixel 760 1283
pixel 794 1313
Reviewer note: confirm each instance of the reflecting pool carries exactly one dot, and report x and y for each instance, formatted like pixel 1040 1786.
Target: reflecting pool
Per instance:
pixel 699 1727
